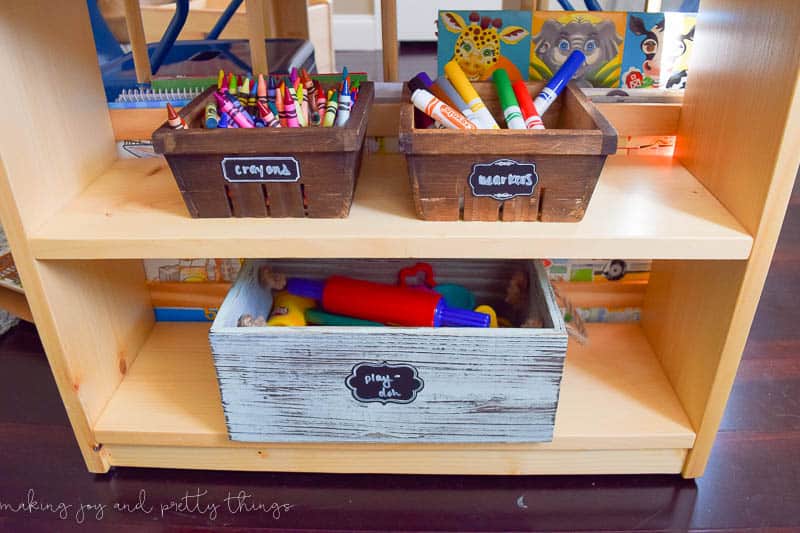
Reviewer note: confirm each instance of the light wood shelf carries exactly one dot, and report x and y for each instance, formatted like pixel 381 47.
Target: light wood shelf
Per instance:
pixel 644 206
pixel 614 396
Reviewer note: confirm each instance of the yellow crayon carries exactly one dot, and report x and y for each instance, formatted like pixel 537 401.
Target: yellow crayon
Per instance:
pixel 300 100
pixel 330 109
pixel 483 118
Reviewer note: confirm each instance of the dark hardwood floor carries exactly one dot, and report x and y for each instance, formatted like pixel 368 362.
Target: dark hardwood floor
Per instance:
pixel 752 480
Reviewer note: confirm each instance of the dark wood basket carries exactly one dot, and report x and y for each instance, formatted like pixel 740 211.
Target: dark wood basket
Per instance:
pixel 547 175
pixel 322 165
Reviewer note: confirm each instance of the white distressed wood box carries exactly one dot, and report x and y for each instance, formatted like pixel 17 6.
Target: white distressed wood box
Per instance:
pixel 391 384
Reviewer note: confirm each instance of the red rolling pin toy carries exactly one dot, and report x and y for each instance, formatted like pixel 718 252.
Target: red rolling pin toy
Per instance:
pixel 388 304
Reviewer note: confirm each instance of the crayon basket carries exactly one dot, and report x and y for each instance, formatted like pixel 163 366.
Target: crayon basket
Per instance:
pixel 265 172
pixel 511 175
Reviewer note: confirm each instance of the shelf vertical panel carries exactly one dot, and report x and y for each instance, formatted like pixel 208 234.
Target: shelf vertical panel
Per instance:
pixel 51 148
pixel 739 135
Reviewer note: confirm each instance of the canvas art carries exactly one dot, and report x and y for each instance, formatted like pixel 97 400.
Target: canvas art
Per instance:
pixel 658 46
pixel 599 35
pixel 483 41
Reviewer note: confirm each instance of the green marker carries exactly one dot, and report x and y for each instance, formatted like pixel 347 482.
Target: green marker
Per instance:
pixel 508 101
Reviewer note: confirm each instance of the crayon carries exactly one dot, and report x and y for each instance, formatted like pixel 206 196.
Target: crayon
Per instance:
pixel 508 101
pixel 251 100
pixel 174 120
pixel 316 117
pixel 233 89
pixel 237 115
pixel 225 83
pixel 302 117
pixel 212 119
pixel 238 106
pixel 291 110
pixel 330 109
pixel 482 117
pixel 280 105
pixel 436 109
pixel 293 76
pixel 271 89
pixel 267 116
pixel 220 79
pixel 559 80
pixel 345 103
pixel 432 87
pixel 532 119
pixel 309 96
pixel 244 92
pixel 224 120
pixel 261 91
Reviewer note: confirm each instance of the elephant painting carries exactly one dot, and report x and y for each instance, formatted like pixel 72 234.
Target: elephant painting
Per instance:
pixel 599 40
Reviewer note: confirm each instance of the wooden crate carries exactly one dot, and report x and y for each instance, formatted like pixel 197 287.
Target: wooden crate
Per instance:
pixel 559 166
pixel 304 384
pixel 323 165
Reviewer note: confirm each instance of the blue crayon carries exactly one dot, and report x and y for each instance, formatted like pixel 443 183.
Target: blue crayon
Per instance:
pixel 271 89
pixel 224 120
pixel 558 81
pixel 240 108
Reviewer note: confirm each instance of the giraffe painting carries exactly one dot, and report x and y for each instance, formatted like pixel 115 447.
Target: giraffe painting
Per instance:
pixel 478 45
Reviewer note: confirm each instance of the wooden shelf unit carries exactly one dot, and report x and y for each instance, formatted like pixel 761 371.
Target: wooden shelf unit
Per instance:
pixel 641 398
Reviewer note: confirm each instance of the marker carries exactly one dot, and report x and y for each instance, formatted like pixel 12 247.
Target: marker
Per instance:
pixel 266 114
pixel 174 120
pixel 319 110
pixel 212 119
pixel 291 110
pixel 482 118
pixel 345 103
pixel 436 109
pixel 237 116
pixel 224 120
pixel 559 81
pixel 508 101
pixel 433 88
pixel 532 119
pixel 280 105
pixel 447 87
pixel 330 109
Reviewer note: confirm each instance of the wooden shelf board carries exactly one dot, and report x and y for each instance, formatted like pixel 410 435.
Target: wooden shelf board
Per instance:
pixel 614 396
pixel 644 206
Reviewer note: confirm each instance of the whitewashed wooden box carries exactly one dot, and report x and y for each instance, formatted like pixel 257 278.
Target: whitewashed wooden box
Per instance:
pixel 311 384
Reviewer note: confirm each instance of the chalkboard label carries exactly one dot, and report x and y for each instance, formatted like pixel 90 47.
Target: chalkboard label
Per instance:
pixel 503 179
pixel 384 383
pixel 260 169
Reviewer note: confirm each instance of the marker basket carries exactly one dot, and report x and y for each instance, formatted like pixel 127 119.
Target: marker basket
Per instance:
pixel 547 175
pixel 265 172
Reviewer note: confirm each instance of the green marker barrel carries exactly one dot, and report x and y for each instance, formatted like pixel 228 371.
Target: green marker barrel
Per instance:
pixel 508 101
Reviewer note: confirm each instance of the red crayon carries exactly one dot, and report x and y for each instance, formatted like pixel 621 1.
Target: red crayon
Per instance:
pixel 532 119
pixel 174 120
pixel 267 116
pixel 290 109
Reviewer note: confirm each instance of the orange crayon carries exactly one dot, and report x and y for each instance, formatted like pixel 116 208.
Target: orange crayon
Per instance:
pixel 174 120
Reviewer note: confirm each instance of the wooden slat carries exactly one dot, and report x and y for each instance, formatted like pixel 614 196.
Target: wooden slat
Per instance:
pixel 391 48
pixel 697 315
pixel 141 60
pixel 15 303
pixel 642 119
pixel 256 21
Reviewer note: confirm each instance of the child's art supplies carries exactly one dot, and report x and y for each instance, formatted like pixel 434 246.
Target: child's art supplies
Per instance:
pixel 483 118
pixel 532 119
pixel 266 114
pixel 174 120
pixel 433 88
pixel 290 109
pixel 212 119
pixel 436 109
pixel 224 120
pixel 319 110
pixel 508 101
pixel 454 97
pixel 345 102
pixel 330 109
pixel 387 304
pixel 236 115
pixel 559 81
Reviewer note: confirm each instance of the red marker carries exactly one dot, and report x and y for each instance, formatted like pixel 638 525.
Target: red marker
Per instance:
pixel 532 119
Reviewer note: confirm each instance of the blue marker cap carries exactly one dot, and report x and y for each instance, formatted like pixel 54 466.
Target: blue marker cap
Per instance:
pixel 559 81
pixel 454 317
